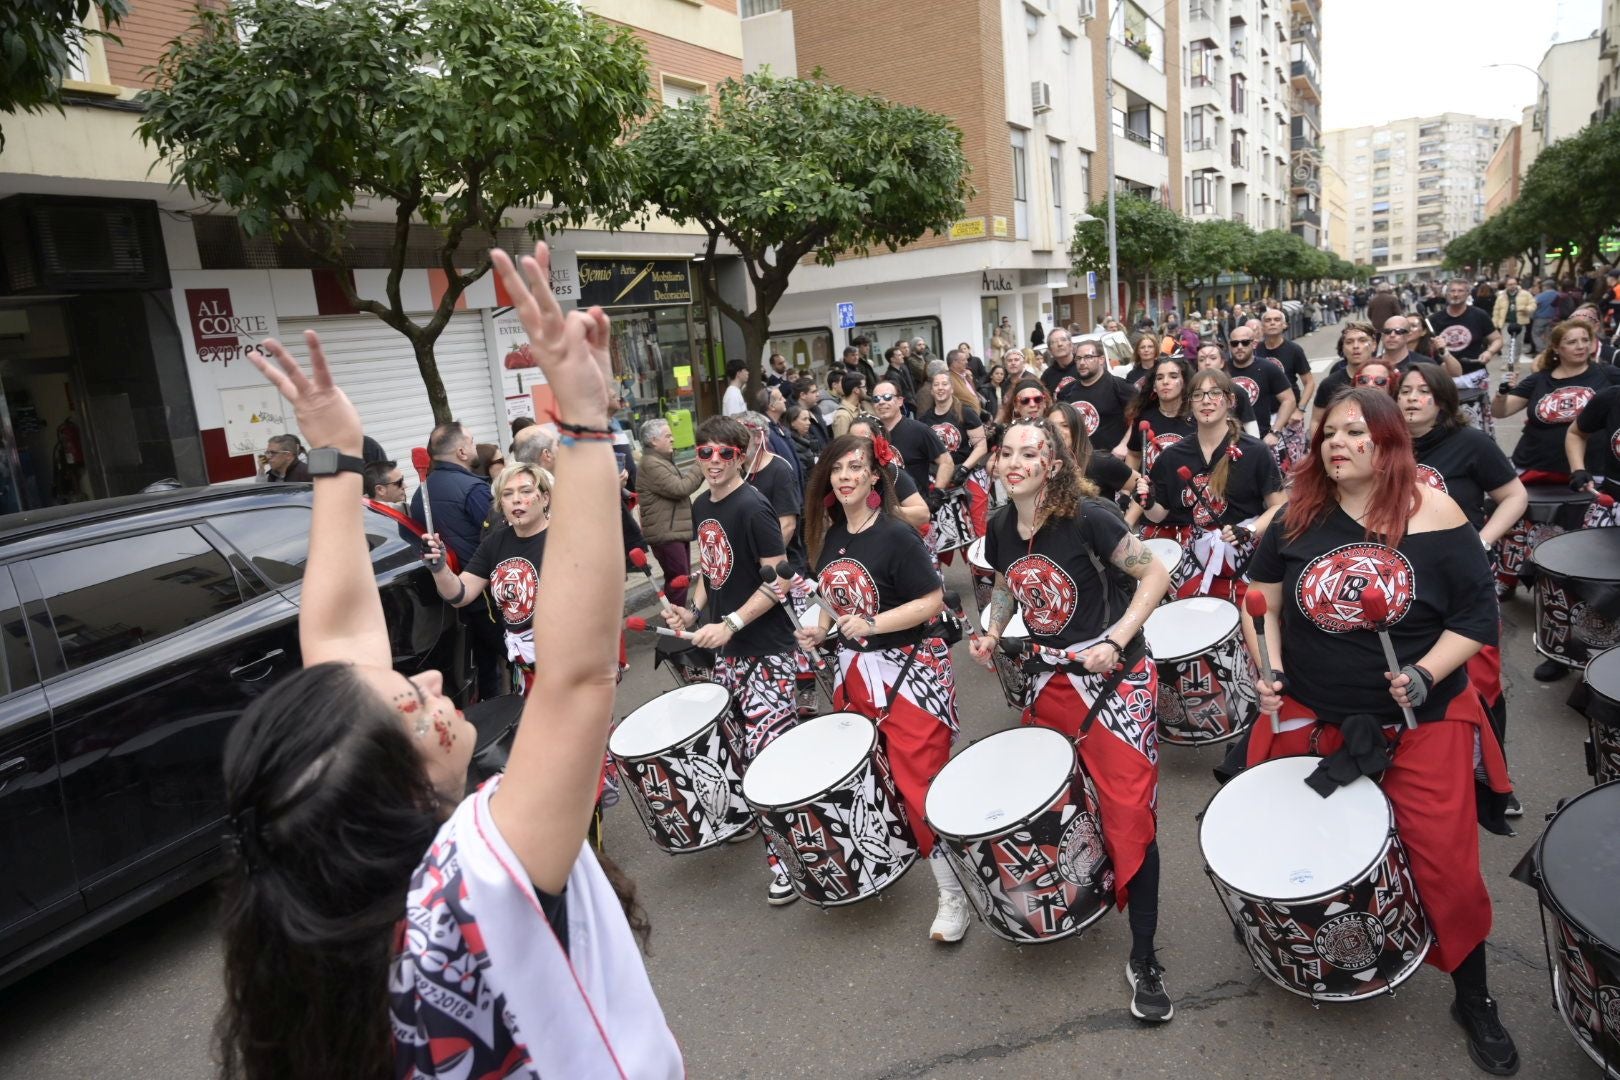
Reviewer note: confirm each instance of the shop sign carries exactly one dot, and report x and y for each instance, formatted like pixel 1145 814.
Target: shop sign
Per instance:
pixel 634 282
pixel 968 229
pixel 996 281
pixel 222 333
pixel 1000 225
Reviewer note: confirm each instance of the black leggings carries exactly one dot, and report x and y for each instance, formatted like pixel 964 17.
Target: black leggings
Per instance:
pixel 1143 905
pixel 1469 977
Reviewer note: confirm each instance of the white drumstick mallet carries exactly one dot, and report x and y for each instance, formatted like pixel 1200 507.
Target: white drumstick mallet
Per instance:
pixel 1254 602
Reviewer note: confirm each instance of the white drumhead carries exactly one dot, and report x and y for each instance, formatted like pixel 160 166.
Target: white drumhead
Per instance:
pixel 1189 627
pixel 1166 550
pixel 809 759
pixel 1268 835
pixel 975 555
pixel 668 719
pixel 1015 625
pixel 999 781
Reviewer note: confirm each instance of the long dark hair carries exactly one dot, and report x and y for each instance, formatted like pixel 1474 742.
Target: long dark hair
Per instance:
pixel 1442 388
pixel 334 810
pixel 1147 402
pixel 822 509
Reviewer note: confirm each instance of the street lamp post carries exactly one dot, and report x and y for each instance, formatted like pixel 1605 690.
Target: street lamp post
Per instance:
pixel 1543 100
pixel 1113 236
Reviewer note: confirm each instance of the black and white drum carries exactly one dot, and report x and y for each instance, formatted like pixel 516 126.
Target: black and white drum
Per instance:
pixel 1577 873
pixel 688 664
pixel 1552 511
pixel 1009 669
pixel 1020 824
pixel 1206 678
pixel 826 675
pixel 952 528
pixel 984 578
pixel 676 760
pixel 1319 888
pixel 1603 716
pixel 825 796
pixel 1577 595
pixel 1170 556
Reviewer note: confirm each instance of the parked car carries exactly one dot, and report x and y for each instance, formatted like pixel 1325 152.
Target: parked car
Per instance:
pixel 135 631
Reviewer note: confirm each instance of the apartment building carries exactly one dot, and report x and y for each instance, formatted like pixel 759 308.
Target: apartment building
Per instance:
pixel 1236 111
pixel 1306 187
pixel 1335 205
pixel 1504 171
pixel 126 307
pixel 1027 82
pixel 1608 89
pixel 1413 184
pixel 1571 82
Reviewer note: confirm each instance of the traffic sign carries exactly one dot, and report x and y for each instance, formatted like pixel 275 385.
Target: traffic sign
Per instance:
pixel 846 316
pixel 1091 284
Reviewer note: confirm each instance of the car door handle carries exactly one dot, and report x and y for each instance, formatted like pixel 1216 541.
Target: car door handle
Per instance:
pixel 15 765
pixel 241 670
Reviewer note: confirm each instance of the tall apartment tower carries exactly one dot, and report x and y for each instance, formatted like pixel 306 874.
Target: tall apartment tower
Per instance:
pixel 1305 119
pixel 1414 184
pixel 1236 100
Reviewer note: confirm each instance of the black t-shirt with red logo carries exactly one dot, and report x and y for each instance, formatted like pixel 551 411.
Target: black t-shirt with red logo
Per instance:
pixel 1434 582
pixel 1101 407
pixel 876 569
pixel 1600 423
pixel 1251 476
pixel 1059 592
pixel 733 535
pixel 918 448
pixel 1465 463
pixel 1464 335
pixel 775 480
pixel 953 433
pixel 1289 357
pixel 1263 381
pixel 511 565
pixel 1554 405
pixel 1167 431
pixel 1060 381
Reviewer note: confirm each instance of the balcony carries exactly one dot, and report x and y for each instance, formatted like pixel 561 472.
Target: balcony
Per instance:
pixel 1200 20
pixel 1608 48
pixel 1308 216
pixel 1304 80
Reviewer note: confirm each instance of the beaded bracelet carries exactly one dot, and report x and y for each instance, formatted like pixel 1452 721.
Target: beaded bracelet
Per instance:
pixel 575 433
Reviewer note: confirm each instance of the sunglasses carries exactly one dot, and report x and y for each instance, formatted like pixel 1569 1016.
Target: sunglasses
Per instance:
pixel 394 483
pixel 1402 330
pixel 1244 341
pixel 1372 380
pixel 724 453
pixel 884 397
pixel 1030 399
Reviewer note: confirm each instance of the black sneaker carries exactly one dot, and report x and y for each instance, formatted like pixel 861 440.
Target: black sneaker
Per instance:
pixel 1513 808
pixel 1149 1001
pixel 1489 1044
pixel 1550 671
pixel 781 889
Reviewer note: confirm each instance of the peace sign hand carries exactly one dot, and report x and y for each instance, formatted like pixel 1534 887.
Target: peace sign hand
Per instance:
pixel 571 347
pixel 326 417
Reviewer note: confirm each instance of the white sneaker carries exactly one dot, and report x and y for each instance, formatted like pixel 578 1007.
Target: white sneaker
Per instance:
pixel 951 922
pixel 781 889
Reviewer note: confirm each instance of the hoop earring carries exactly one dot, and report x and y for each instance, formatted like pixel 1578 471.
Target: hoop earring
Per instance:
pixel 873 500
pixel 830 501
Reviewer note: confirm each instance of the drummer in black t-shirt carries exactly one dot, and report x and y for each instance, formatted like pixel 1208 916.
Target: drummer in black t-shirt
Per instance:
pixel 877 575
pixel 1263 381
pixel 1040 547
pixel 1592 445
pixel 1234 481
pixel 1359 521
pixel 1467 332
pixel 774 478
pixel 507 562
pixel 1289 426
pixel 738 533
pixel 922 454
pixel 1098 395
pixel 1212 355
pixel 1166 409
pixel 942 408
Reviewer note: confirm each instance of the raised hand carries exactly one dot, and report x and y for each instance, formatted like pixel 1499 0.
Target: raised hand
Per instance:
pixel 326 416
pixel 571 348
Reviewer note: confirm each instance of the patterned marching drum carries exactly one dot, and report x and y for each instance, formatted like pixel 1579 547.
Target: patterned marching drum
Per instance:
pixel 1170 555
pixel 676 760
pixel 1206 678
pixel 825 796
pixel 827 674
pixel 1552 511
pixel 1020 824
pixel 1319 889
pixel 1577 595
pixel 1009 669
pixel 1576 868
pixel 984 578
pixel 953 525
pixel 1603 715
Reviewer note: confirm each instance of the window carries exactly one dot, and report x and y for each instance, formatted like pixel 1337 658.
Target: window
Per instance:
pixel 679 91
pixel 108 598
pixel 1381 207
pixel 1066 43
pixel 18 671
pixel 1020 163
pixel 1085 174
pixel 1240 99
pixel 275 541
pixel 1054 157
pixel 759 7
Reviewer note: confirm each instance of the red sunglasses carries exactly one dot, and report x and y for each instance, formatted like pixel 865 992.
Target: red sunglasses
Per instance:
pixel 725 453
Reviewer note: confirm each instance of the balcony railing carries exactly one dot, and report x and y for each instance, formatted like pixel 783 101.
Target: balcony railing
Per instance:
pixel 1200 11
pixel 1202 81
pixel 1205 143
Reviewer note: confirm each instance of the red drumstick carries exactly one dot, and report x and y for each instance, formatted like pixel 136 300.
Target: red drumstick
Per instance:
pixel 1147 430
pixel 1255 604
pixel 1375 609
pixel 1014 646
pixel 423 463
pixel 1186 476
pixel 1605 500
pixel 641 625
pixel 638 559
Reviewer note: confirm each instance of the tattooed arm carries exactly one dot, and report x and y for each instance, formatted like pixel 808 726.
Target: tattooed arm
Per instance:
pixel 1152 582
pixel 1002 607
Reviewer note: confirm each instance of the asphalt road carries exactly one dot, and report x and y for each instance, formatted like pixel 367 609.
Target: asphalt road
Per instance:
pixel 758 992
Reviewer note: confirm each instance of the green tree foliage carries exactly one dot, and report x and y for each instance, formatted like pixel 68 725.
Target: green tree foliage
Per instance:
pixel 455 111
pixel 1150 240
pixel 785 169
pixel 39 40
pixel 1214 247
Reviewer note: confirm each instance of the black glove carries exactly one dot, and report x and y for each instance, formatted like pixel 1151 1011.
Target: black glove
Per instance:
pixel 1503 387
pixel 1422 682
pixel 1144 499
pixel 1240 535
pixel 935 499
pixel 1579 479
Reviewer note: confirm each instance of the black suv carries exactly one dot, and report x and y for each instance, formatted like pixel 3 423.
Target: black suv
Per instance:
pixel 134 633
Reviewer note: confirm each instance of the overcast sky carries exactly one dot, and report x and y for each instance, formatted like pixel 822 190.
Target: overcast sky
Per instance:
pixel 1385 60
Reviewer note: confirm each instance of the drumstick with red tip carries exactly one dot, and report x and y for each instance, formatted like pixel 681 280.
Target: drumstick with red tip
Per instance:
pixel 1014 646
pixel 771 581
pixel 642 626
pixel 638 559
pixel 1255 604
pixel 1375 609
pixel 813 594
pixel 422 461
pixel 1186 476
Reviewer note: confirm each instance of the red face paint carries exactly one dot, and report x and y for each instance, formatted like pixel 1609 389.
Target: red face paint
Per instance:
pixel 442 726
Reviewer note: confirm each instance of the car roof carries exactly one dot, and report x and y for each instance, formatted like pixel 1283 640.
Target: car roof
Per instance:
pixel 21 533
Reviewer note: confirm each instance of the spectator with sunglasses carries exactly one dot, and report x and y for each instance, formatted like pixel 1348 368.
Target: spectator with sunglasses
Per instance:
pixel 738 534
pixel 1377 375
pixel 922 453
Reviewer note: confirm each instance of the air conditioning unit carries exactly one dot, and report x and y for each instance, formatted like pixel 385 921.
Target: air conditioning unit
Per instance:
pixel 59 244
pixel 1088 10
pixel 1041 96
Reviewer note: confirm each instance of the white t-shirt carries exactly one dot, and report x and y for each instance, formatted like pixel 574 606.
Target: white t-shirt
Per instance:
pixel 733 402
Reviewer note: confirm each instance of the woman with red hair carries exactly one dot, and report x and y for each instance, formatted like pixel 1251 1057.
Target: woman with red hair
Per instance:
pixel 1360 525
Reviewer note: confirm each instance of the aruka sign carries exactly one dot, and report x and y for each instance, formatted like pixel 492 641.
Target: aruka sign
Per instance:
pixel 634 282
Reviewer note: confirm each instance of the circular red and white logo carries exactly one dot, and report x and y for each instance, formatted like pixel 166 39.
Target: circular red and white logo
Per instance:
pixel 849 588
pixel 1201 507
pixel 1154 447
pixel 714 552
pixel 513 584
pixel 1563 405
pixel 1063 384
pixel 1088 414
pixel 949 435
pixel 1428 474
pixel 1046 595
pixel 1614 443
pixel 1333 589
pixel 1249 386
pixel 1456 337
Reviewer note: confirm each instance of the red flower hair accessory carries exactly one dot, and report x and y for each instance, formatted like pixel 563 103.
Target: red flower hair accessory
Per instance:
pixel 884 452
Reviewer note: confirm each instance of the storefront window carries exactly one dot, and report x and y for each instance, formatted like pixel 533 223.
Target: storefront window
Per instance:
pixel 652 363
pixel 809 352
pixel 888 333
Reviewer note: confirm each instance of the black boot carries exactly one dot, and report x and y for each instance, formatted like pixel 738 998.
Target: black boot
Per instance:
pixel 1489 1044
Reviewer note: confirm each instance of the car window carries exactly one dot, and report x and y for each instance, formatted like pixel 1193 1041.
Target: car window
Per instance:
pixel 17 673
pixel 275 541
pixel 107 598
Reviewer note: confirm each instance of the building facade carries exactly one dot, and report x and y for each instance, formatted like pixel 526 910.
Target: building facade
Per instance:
pixel 1412 185
pixel 127 308
pixel 1608 89
pixel 1305 187
pixel 1504 171
pixel 1570 84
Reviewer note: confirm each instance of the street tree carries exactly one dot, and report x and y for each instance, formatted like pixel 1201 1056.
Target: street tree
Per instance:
pixel 787 169
pixel 1214 247
pixel 1149 239
pixel 39 42
pixel 459 113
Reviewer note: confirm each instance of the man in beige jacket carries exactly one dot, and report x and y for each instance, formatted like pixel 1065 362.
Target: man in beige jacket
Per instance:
pixel 665 493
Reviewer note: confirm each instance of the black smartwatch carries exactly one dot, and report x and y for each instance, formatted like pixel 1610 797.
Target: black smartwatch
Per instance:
pixel 329 461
